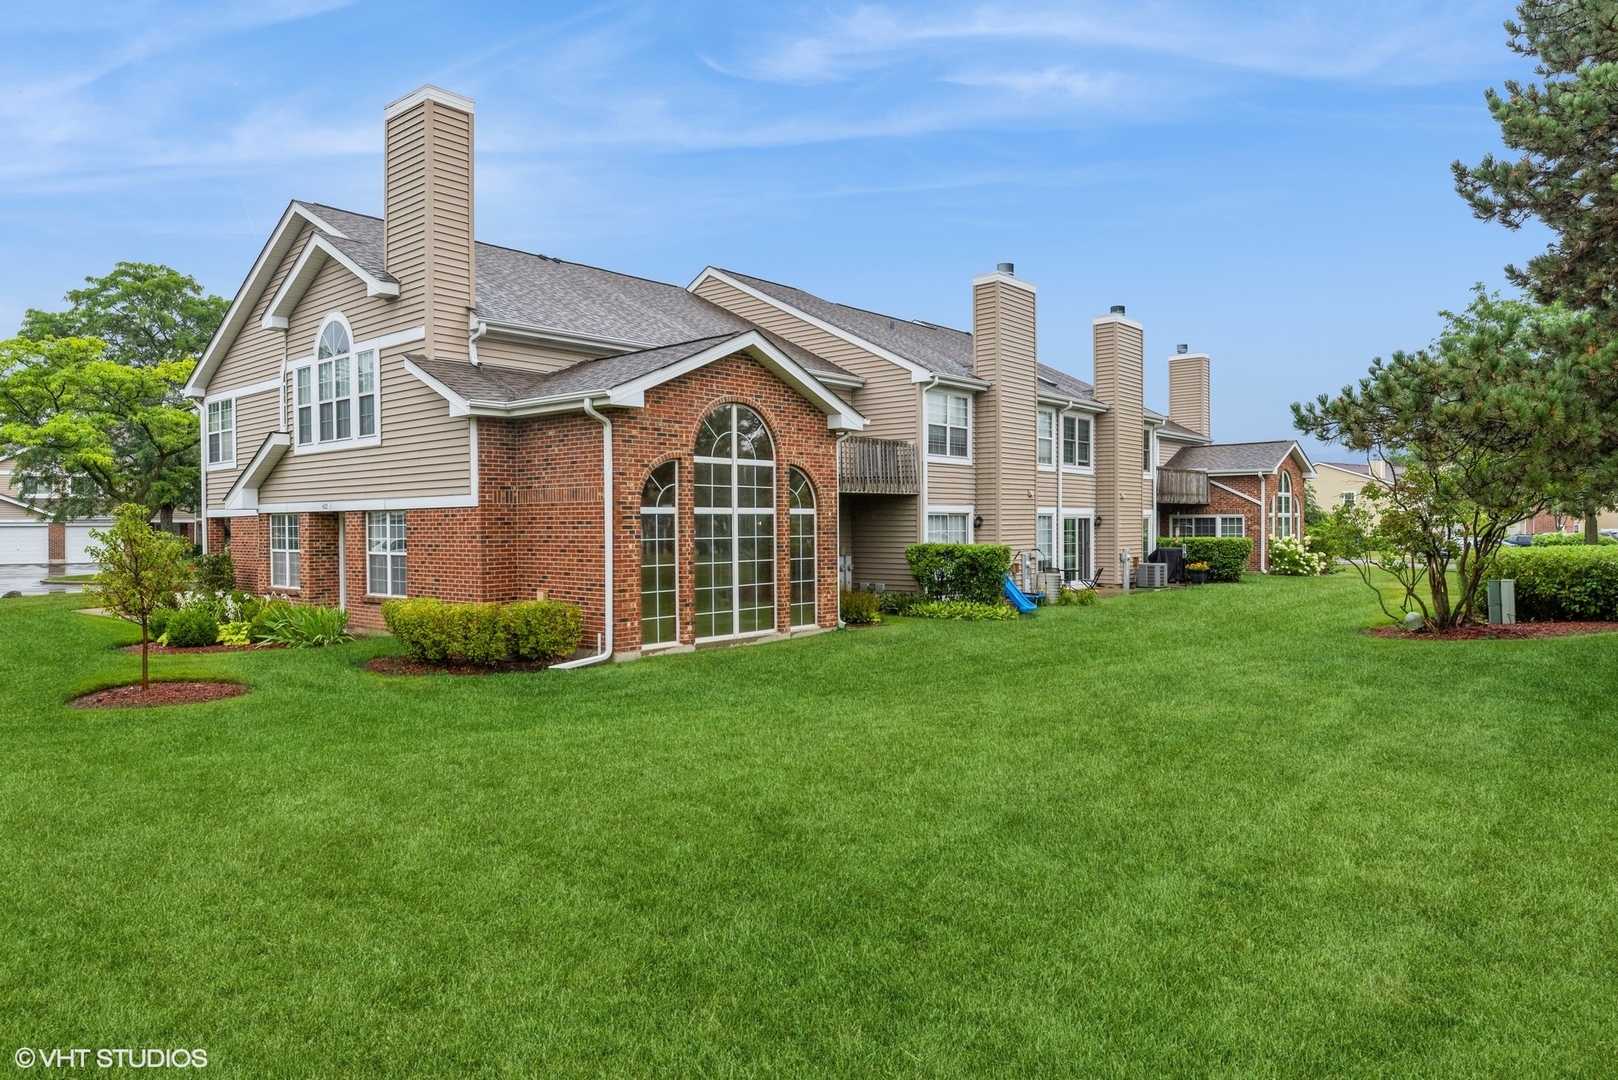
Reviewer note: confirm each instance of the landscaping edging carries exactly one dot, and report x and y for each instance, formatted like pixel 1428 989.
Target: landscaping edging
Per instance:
pixel 131 696
pixel 174 650
pixel 1506 632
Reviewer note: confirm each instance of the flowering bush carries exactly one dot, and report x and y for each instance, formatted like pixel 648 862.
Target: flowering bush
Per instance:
pixel 1291 557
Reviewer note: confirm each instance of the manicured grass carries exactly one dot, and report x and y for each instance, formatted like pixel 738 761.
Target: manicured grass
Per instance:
pixel 1214 832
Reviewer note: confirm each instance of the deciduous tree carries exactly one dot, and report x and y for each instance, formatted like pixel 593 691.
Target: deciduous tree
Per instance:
pixel 141 570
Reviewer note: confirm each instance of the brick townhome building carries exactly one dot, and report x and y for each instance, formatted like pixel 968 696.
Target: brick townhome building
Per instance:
pixel 394 408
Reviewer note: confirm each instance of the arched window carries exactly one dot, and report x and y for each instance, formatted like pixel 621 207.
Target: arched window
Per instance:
pixel 1283 504
pixel 803 549
pixel 734 489
pixel 658 625
pixel 334 393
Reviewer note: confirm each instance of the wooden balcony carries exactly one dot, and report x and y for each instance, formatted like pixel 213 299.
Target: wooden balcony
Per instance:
pixel 1182 487
pixel 877 467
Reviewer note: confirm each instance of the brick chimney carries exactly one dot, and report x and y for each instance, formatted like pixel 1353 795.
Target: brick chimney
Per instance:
pixel 427 214
pixel 1189 392
pixel 1120 376
pixel 1004 355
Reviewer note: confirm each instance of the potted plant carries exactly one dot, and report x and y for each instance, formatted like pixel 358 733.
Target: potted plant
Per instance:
pixel 1197 572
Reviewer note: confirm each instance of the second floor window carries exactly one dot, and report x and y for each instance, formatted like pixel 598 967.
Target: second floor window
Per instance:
pixel 946 424
pixel 221 432
pixel 1075 440
pixel 1046 440
pixel 335 396
pixel 1146 454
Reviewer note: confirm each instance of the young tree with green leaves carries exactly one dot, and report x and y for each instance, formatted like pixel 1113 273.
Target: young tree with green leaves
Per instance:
pixel 1565 175
pixel 1492 423
pixel 98 432
pixel 141 570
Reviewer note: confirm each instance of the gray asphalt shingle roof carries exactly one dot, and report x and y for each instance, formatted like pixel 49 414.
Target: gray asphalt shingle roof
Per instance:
pixel 546 293
pixel 1254 457
pixel 493 383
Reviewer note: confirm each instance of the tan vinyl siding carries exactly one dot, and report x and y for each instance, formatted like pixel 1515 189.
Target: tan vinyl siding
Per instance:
pixel 1078 492
pixel 1168 446
pixel 424 452
pixel 952 485
pixel 256 417
pixel 1189 392
pixel 1120 491
pixel 335 291
pixel 429 223
pixel 1047 488
pixel 880 529
pixel 12 512
pixel 255 355
pixel 1004 351
pixel 522 354
pixel 888 398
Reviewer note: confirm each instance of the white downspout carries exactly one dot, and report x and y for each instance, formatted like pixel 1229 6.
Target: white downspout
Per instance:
pixel 605 650
pixel 1263 528
pixel 476 330
pixel 921 456
pixel 202 475
pixel 342 561
pixel 837 503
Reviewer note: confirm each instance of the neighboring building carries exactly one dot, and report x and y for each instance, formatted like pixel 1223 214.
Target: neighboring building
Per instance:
pixel 1236 489
pixel 29 535
pixel 394 408
pixel 1341 483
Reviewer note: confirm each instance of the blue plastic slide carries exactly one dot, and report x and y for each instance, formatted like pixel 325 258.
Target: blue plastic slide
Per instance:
pixel 1018 598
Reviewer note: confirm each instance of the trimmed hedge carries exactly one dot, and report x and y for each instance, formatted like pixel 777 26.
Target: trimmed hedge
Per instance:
pixel 192 627
pixel 1563 584
pixel 484 635
pixel 974 572
pixel 968 610
pixel 1567 540
pixel 1226 556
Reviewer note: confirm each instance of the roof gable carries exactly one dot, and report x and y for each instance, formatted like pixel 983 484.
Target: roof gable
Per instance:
pixel 1249 459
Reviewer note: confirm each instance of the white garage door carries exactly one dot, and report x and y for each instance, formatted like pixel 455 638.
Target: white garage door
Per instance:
pixel 78 538
pixel 27 543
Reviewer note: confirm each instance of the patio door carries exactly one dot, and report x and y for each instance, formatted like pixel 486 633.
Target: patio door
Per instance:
pixel 1076 549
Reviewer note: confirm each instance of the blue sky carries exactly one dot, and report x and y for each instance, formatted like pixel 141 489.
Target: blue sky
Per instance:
pixel 1267 182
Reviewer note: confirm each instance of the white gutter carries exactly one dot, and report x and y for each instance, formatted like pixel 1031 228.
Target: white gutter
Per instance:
pixel 475 331
pixel 921 459
pixel 605 651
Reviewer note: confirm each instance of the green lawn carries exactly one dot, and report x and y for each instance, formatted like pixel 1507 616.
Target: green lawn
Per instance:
pixel 1213 832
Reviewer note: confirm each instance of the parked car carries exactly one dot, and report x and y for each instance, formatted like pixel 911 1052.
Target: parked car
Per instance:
pixel 1520 540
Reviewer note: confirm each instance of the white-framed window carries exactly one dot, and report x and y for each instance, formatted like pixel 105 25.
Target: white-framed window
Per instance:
pixel 1076 440
pixel 948 425
pixel 385 553
pixel 659 556
pixel 1207 525
pixel 1281 505
pixel 805 567
pixel 1350 498
pixel 222 432
pixel 949 527
pixel 335 394
pixel 284 551
pixel 1045 440
pixel 733 495
pixel 1076 547
pixel 1146 452
pixel 1045 540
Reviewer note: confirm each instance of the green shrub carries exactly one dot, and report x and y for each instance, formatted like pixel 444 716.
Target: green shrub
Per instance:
pixel 543 629
pixel 268 612
pixel 1226 556
pixel 974 572
pixel 969 610
pixel 1291 557
pixel 1563 583
pixel 1568 540
pixel 1077 598
pixel 157 624
pixel 433 632
pixel 896 603
pixel 192 627
pixel 214 573
pixel 299 627
pixel 860 607
pixel 236 633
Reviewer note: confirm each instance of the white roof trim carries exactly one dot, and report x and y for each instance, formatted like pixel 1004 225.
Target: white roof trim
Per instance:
pixel 243 494
pixel 303 273
pixel 428 92
pixel 1124 319
pixel 1004 279
pixel 632 394
pixel 918 372
pixel 1233 491
pixel 1072 404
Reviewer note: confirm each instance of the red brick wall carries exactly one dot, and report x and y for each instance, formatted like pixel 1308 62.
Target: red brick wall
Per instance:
pixel 1223 502
pixel 56 542
pixel 538 525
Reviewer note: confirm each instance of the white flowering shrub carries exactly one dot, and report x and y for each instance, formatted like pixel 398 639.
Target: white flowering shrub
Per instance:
pixel 1291 557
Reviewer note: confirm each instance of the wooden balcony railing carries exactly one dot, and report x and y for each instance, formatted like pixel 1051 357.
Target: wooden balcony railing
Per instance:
pixel 877 467
pixel 1182 487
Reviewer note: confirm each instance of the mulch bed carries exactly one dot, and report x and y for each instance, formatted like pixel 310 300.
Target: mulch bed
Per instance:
pixel 1510 632
pixel 160 693
pixel 174 650
pixel 403 665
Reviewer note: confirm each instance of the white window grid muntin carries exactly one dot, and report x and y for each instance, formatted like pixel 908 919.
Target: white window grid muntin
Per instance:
pixel 1216 525
pixel 385 553
pixel 737 515
pixel 1082 526
pixel 1045 439
pixel 803 526
pixel 1045 540
pixel 222 432
pixel 949 420
pixel 948 527
pixel 665 519
pixel 337 397
pixel 1082 447
pixel 285 549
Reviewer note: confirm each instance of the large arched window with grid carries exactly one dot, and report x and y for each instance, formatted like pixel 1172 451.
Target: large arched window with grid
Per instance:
pixel 734 492
pixel 1283 505
pixel 802 534
pixel 658 622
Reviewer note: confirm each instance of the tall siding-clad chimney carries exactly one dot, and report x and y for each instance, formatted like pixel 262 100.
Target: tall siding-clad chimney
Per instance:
pixel 1120 347
pixel 427 214
pixel 1004 354
pixel 1190 392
